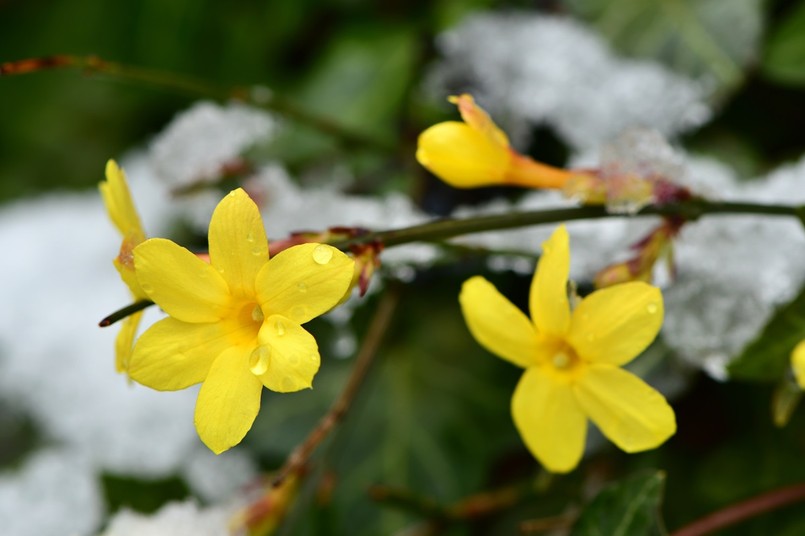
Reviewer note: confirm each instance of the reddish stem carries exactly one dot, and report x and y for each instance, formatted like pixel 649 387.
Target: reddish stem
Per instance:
pixel 736 513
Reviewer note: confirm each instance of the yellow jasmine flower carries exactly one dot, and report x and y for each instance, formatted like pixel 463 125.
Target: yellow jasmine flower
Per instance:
pixel 120 207
pixel 572 359
pixel 235 323
pixel 477 153
pixel 798 363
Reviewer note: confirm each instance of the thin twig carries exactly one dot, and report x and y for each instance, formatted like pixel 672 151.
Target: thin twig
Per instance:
pixel 736 513
pixel 371 343
pixel 258 96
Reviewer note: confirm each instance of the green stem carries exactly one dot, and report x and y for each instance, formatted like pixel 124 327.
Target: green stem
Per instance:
pixel 258 96
pixel 128 310
pixel 449 228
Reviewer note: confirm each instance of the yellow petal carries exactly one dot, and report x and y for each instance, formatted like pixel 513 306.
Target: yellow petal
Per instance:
pixel 627 410
pixel 798 363
pixel 613 325
pixel 125 341
pixel 478 119
pixel 129 277
pixel 117 198
pixel 228 401
pixel 304 281
pixel 462 156
pixel 293 357
pixel 183 285
pixel 549 420
pixel 238 245
pixel 173 355
pixel 497 324
pixel 550 309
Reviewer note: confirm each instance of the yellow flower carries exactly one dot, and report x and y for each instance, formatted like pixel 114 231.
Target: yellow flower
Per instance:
pixel 798 363
pixel 120 207
pixel 477 153
pixel 234 324
pixel 572 359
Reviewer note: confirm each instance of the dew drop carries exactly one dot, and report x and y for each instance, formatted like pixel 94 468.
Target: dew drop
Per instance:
pixel 259 360
pixel 279 327
pixel 250 238
pixel 146 288
pixel 652 308
pixel 220 270
pixel 258 251
pixel 301 287
pixel 288 384
pixel 298 313
pixel 257 314
pixel 322 254
pixel 313 358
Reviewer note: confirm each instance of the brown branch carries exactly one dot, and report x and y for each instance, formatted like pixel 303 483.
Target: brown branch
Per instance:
pixel 736 513
pixel 377 329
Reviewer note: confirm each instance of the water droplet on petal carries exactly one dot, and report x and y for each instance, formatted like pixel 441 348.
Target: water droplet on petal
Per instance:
pixel 250 238
pixel 322 254
pixel 279 327
pixel 258 251
pixel 294 359
pixel 301 287
pixel 220 270
pixel 313 358
pixel 259 360
pixel 288 384
pixel 298 313
pixel 257 314
pixel 652 308
pixel 147 288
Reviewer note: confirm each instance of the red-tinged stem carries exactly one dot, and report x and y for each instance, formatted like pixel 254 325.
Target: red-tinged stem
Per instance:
pixel 736 513
pixel 371 343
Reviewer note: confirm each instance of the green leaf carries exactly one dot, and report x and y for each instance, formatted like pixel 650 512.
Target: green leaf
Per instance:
pixel 784 60
pixel 768 357
pixel 709 38
pixel 626 508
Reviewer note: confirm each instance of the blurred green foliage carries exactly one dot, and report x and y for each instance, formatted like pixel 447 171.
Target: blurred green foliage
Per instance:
pixel 433 416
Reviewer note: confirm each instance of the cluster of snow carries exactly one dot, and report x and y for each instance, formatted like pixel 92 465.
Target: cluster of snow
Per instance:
pixel 174 519
pixel 532 69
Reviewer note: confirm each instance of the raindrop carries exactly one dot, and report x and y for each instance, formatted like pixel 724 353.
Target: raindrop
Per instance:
pixel 279 327
pixel 250 238
pixel 298 313
pixel 146 288
pixel 259 360
pixel 258 251
pixel 313 358
pixel 301 287
pixel 322 254
pixel 652 308
pixel 257 314
pixel 288 384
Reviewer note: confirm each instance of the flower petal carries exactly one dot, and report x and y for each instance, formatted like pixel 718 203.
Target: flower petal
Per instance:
pixel 477 118
pixel 118 202
pixel 613 325
pixel 172 354
pixel 497 324
pixel 798 363
pixel 627 410
pixel 550 309
pixel 304 281
pixel 183 285
pixel 294 355
pixel 462 156
pixel 228 401
pixel 549 420
pixel 238 245
pixel 125 341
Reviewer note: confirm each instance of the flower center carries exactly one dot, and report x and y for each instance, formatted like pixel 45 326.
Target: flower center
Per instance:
pixel 564 359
